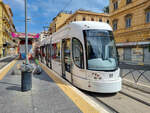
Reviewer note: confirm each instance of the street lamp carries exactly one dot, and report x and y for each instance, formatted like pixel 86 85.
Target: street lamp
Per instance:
pixel 26 37
pixel 26 69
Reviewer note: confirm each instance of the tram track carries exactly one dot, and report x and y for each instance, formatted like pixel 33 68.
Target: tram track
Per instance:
pixel 120 102
pixel 5 61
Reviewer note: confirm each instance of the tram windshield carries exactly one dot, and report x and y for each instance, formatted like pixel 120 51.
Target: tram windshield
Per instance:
pixel 100 50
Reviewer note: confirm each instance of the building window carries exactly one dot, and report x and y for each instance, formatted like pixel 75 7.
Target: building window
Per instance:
pixel 92 19
pixel 83 19
pixel 108 21
pixel 147 16
pixel 128 21
pixel 100 20
pixel 115 22
pixel 128 1
pixel 75 19
pixel 116 5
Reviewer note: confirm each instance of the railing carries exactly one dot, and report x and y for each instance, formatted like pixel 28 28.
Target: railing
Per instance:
pixel 136 73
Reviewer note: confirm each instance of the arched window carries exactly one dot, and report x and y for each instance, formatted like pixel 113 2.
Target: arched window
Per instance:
pixel 147 14
pixel 100 20
pixel 115 5
pixel 83 18
pixel 128 1
pixel 108 21
pixel 128 20
pixel 115 24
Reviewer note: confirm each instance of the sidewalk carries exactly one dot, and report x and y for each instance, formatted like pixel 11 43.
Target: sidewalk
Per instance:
pixel 45 96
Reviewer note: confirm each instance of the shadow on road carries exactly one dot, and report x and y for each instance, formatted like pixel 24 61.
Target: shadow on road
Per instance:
pixel 15 88
pixel 43 76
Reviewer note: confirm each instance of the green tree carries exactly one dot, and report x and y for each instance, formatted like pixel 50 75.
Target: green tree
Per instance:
pixel 106 9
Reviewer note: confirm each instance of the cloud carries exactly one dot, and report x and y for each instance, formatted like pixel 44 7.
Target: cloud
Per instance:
pixel 19 4
pixel 52 6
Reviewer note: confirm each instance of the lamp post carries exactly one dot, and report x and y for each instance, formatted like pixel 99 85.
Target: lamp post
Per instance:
pixel 26 69
pixel 26 37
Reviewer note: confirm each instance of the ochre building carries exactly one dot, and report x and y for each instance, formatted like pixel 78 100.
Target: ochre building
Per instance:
pixel 57 21
pixel 7 44
pixel 63 18
pixel 130 20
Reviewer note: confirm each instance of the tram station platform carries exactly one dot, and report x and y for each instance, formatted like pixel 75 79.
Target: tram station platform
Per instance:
pixel 49 94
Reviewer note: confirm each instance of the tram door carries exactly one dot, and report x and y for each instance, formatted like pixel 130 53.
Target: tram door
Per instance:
pixel 66 59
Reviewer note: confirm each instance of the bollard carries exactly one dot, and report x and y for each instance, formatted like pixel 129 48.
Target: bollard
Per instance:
pixel 26 77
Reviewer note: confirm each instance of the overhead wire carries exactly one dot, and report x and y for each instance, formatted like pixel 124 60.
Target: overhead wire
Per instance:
pixel 66 5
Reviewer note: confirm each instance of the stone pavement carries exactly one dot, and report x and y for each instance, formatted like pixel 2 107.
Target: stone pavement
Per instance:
pixel 45 96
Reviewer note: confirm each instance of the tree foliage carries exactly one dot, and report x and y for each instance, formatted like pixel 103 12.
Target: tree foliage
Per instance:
pixel 106 9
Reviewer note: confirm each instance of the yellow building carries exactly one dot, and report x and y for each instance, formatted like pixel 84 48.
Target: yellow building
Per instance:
pixel 130 20
pixel 6 28
pixel 57 21
pixel 79 15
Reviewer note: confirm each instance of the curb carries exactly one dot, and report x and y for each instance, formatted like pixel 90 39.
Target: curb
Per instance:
pixel 6 69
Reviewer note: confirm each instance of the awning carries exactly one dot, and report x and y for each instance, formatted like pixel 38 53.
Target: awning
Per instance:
pixel 132 43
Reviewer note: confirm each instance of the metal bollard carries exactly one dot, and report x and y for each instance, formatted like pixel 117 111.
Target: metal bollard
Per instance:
pixel 26 77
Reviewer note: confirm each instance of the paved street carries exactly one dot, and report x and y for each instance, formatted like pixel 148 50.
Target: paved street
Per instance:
pixel 45 96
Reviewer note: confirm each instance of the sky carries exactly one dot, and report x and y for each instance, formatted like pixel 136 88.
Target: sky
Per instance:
pixel 41 12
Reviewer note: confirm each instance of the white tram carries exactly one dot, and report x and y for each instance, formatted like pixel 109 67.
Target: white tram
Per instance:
pixel 84 53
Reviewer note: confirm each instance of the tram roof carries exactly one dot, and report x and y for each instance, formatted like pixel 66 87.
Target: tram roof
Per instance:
pixel 92 25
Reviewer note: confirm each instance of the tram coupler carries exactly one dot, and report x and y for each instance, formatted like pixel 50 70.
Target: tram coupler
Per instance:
pixel 26 77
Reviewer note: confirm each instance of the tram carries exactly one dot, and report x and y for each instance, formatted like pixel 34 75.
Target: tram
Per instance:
pixel 84 53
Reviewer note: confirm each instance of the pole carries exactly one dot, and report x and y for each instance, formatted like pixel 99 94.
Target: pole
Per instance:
pixel 26 37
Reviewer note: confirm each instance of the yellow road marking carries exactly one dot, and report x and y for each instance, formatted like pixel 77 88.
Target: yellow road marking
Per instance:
pixel 5 70
pixel 82 104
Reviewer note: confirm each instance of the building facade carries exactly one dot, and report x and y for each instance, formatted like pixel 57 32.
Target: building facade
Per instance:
pixel 130 20
pixel 57 21
pixel 63 19
pixel 85 15
pixel 6 28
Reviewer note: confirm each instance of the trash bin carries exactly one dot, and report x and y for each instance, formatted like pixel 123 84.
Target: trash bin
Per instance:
pixel 26 77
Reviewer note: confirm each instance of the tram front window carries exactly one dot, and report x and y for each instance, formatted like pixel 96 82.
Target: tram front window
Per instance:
pixel 101 51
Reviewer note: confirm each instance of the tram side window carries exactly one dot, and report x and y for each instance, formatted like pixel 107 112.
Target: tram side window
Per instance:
pixel 67 58
pixel 56 52
pixel 77 51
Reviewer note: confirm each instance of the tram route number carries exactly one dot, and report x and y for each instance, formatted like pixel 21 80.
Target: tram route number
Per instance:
pixel 111 75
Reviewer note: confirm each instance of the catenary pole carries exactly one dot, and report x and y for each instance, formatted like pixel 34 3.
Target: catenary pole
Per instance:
pixel 26 37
